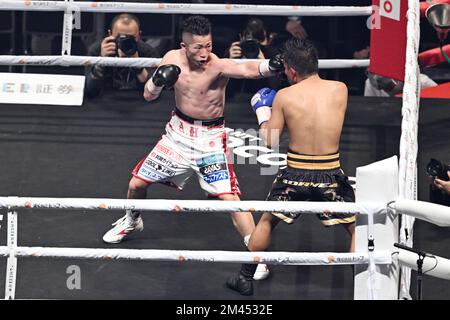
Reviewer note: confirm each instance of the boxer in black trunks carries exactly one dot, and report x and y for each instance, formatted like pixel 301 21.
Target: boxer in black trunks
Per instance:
pixel 313 110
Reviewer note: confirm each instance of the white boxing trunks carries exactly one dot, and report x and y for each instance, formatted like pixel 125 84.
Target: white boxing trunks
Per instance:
pixel 189 146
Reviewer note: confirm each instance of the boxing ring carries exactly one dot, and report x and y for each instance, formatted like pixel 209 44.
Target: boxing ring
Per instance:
pixel 367 256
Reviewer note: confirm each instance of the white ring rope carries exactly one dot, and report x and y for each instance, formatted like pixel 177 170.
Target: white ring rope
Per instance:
pixel 11 263
pixel 66 60
pixel 432 265
pixel 277 258
pixel 187 8
pixel 194 205
pixel 430 212
pixel 409 132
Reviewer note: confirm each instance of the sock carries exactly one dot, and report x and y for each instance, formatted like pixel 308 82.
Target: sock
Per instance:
pixel 247 239
pixel 248 270
pixel 133 214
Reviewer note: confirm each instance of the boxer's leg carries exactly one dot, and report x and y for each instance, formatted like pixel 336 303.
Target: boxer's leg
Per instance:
pixel 242 221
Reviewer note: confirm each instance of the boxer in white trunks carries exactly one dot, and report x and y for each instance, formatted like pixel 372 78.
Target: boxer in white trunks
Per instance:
pixel 195 138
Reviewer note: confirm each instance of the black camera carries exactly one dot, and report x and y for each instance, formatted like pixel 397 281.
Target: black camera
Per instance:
pixel 127 43
pixel 436 168
pixel 249 48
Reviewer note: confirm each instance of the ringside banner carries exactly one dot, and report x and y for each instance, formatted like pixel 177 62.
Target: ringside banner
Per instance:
pixel 49 89
pixel 388 39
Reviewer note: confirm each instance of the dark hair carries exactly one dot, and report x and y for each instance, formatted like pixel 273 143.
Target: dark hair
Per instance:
pixel 197 25
pixel 301 55
pixel 255 29
pixel 127 17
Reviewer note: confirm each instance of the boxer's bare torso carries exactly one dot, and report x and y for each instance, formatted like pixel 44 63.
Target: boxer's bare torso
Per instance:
pixel 200 88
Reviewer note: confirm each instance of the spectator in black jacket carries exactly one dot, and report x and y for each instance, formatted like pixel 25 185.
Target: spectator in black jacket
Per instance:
pixel 124 40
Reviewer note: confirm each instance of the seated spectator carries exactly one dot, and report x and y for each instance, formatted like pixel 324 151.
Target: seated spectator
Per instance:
pixel 123 40
pixel 295 28
pixel 379 86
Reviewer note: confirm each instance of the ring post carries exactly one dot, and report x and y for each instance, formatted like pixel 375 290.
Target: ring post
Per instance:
pixel 377 182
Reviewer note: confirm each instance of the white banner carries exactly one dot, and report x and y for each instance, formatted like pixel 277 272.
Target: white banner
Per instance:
pixel 53 89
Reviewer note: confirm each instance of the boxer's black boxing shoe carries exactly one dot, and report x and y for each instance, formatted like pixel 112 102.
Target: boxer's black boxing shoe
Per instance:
pixel 241 285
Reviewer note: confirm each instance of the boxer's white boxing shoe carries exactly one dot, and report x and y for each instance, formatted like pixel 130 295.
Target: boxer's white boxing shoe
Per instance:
pixel 262 272
pixel 123 227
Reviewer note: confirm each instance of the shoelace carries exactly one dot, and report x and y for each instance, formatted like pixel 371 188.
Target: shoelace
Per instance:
pixel 120 221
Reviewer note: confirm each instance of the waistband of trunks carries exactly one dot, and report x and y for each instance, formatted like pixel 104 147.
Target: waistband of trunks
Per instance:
pixel 206 123
pixel 313 162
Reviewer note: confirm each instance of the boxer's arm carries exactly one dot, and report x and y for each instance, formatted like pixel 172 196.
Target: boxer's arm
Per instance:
pixel 246 70
pixel 272 130
pixel 251 69
pixel 151 91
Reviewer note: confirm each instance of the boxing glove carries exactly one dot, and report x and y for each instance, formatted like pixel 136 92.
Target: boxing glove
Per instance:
pixel 268 68
pixel 262 104
pixel 166 75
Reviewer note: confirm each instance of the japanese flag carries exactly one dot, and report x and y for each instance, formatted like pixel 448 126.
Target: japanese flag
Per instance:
pixel 390 9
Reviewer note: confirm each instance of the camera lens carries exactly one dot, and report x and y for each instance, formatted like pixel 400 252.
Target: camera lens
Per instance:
pixel 127 44
pixel 250 48
pixel 434 168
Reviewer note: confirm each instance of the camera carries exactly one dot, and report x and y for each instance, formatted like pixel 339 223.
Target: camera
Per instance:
pixel 127 43
pixel 249 47
pixel 436 168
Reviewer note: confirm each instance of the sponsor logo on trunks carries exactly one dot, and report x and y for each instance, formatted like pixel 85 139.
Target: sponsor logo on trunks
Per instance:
pixel 159 168
pixel 206 170
pixel 310 184
pixel 212 159
pixel 163 160
pixel 168 152
pixel 150 175
pixel 216 176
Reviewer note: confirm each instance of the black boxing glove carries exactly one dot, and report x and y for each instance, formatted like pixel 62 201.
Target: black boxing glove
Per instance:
pixel 272 67
pixel 166 75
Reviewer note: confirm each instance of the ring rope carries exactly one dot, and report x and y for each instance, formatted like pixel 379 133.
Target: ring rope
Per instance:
pixel 194 205
pixel 409 132
pixel 276 258
pixel 11 263
pixel 186 8
pixel 67 60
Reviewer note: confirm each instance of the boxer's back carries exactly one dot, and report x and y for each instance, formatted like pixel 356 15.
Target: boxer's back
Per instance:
pixel 314 111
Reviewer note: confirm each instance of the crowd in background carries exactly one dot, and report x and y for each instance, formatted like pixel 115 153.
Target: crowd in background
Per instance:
pixel 334 37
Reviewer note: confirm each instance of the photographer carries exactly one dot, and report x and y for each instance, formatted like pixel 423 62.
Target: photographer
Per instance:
pixel 254 43
pixel 123 40
pixel 439 174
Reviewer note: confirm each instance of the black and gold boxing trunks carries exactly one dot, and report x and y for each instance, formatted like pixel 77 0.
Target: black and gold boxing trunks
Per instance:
pixel 313 178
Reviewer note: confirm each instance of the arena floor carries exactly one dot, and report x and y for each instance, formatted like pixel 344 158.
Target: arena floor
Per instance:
pixel 89 151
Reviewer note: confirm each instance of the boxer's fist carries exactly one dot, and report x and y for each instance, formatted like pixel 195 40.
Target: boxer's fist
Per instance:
pixel 262 103
pixel 276 64
pixel 166 75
